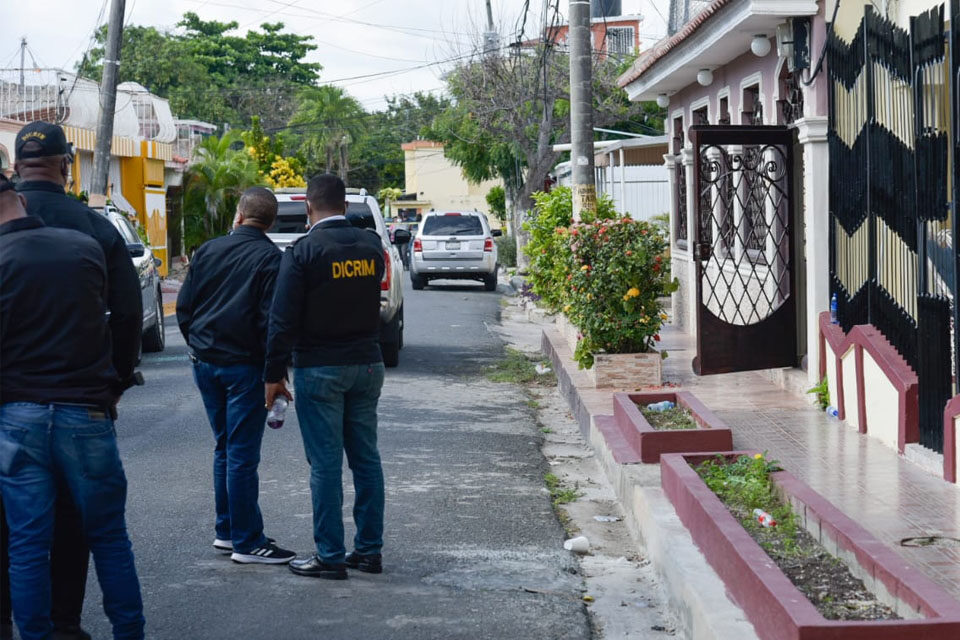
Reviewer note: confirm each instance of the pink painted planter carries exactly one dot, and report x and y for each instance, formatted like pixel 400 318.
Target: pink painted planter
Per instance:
pixel 648 443
pixel 776 608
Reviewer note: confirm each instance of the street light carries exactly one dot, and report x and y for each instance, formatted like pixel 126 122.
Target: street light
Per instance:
pixel 705 76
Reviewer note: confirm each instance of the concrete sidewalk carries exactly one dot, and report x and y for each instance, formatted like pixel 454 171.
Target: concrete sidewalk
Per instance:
pixel 170 288
pixel 891 497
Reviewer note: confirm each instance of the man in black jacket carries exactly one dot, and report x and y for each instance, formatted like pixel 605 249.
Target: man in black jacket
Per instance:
pixel 327 313
pixel 223 310
pixel 43 160
pixel 58 388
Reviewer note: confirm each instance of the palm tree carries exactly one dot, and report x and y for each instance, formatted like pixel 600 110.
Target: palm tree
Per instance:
pixel 213 186
pixel 329 121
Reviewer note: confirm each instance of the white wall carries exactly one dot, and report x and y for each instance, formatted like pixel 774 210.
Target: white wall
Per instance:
pixel 644 194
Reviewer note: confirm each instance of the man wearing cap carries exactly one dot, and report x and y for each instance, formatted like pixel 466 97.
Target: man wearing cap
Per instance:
pixel 57 389
pixel 43 159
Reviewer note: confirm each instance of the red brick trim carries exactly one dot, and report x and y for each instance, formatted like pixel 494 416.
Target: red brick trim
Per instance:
pixel 951 411
pixel 770 601
pixel 649 443
pixel 868 338
pixel 861 390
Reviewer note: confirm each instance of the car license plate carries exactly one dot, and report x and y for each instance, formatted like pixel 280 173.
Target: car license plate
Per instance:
pixel 453 246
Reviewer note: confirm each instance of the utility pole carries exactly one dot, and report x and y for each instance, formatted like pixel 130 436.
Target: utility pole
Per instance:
pixel 581 109
pixel 491 39
pixel 108 98
pixel 22 89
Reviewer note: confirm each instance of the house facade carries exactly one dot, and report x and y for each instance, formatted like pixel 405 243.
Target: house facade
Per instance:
pixel 141 164
pixel 810 162
pixel 437 183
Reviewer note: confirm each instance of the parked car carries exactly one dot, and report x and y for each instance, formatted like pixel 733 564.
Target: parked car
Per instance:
pixel 146 265
pixel 362 211
pixel 454 245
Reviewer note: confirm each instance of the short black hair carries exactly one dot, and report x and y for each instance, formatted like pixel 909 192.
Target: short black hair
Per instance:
pixel 326 192
pixel 260 205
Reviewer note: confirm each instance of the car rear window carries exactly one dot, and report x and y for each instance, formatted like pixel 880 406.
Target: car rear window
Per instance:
pixel 452 225
pixel 291 217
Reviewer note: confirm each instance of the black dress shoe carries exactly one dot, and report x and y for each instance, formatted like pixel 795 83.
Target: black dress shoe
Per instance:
pixel 314 567
pixel 369 563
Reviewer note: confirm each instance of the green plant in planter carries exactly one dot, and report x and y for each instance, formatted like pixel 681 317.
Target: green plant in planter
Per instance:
pixel 549 245
pixel 616 273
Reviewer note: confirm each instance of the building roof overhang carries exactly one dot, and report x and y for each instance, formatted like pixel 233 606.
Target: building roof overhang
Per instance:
pixel 715 37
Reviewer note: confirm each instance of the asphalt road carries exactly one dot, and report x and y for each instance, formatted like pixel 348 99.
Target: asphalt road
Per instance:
pixel 468 523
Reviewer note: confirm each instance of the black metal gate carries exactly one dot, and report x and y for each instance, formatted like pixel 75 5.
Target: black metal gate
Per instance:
pixel 746 302
pixel 893 260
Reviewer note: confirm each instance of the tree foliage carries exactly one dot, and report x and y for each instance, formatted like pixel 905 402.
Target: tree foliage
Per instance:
pixel 209 73
pixel 213 186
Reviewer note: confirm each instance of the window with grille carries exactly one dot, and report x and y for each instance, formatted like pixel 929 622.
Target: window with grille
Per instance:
pixel 620 41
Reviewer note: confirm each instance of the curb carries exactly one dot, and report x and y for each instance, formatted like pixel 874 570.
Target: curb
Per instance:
pixel 694 589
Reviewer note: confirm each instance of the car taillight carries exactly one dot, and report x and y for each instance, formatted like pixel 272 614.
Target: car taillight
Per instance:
pixel 387 272
pixel 418 246
pixel 488 244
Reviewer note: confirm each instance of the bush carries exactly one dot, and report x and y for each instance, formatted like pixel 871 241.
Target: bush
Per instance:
pixel 616 272
pixel 549 248
pixel 507 251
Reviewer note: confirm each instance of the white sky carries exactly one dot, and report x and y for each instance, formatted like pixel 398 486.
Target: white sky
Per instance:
pixel 368 36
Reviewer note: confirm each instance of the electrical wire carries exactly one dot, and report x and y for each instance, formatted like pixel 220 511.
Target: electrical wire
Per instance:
pixel 823 49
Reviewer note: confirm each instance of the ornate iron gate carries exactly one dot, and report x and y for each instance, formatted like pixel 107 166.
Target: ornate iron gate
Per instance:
pixel 892 255
pixel 746 304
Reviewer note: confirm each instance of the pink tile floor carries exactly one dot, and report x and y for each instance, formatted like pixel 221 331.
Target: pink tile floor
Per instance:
pixel 889 496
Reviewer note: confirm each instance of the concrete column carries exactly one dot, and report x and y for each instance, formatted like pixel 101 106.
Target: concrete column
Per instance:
pixel 689 287
pixel 812 133
pixel 623 173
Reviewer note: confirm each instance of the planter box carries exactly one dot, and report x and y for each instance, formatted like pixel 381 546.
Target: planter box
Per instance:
pixel 568 330
pixel 712 433
pixel 626 370
pixel 777 609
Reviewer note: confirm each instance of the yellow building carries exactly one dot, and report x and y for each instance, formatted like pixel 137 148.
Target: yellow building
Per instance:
pixel 440 184
pixel 141 150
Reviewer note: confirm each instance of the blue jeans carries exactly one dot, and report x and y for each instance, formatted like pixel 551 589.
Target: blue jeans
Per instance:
pixel 39 445
pixel 337 411
pixel 233 397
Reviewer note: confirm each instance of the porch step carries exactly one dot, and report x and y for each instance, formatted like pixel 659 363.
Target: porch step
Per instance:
pixel 927 459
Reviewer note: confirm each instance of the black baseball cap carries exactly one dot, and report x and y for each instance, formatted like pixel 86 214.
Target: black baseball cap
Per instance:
pixel 49 138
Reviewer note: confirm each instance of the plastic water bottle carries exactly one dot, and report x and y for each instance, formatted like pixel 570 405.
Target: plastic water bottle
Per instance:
pixel 832 412
pixel 661 406
pixel 833 309
pixel 277 413
pixel 764 518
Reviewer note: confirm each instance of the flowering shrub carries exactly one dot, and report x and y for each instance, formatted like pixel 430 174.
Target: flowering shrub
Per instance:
pixel 283 173
pixel 616 271
pixel 549 245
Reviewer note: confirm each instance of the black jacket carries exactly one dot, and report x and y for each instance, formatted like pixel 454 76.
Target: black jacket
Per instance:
pixel 54 337
pixel 327 306
pixel 47 201
pixel 224 305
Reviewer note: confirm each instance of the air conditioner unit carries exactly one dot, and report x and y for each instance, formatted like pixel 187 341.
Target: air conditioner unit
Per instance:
pixel 793 43
pixel 785 43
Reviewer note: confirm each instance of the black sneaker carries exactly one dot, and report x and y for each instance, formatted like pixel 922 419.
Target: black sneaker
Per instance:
pixel 226 546
pixel 368 563
pixel 314 567
pixel 267 554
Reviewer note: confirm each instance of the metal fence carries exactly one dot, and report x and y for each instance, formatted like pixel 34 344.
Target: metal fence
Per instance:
pixel 893 260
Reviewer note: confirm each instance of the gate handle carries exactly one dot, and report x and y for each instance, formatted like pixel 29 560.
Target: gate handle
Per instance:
pixel 703 250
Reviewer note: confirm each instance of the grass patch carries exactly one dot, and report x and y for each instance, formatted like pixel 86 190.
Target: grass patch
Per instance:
pixel 677 418
pixel 560 494
pixel 546 430
pixel 533 404
pixel 518 368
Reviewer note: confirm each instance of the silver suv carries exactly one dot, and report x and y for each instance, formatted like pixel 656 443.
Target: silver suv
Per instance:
pixel 154 338
pixel 364 212
pixel 453 245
